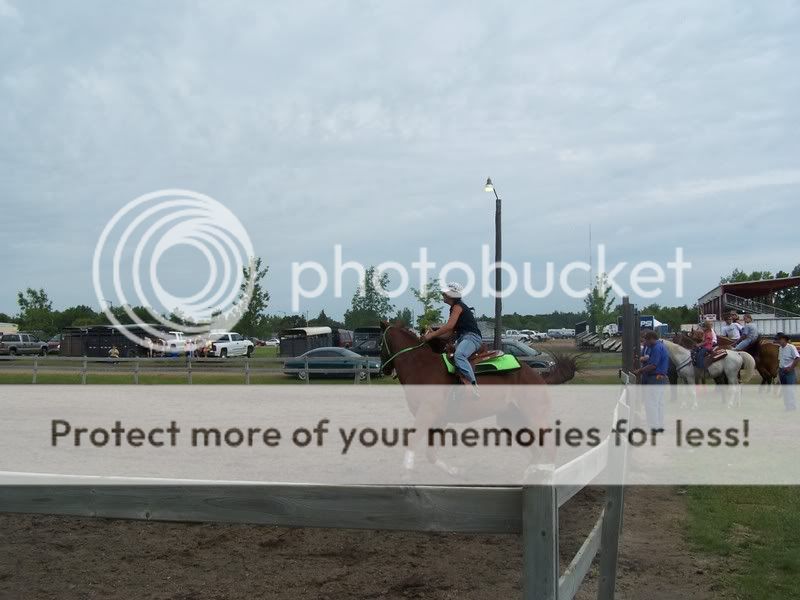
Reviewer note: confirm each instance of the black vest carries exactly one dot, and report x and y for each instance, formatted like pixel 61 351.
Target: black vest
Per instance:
pixel 466 321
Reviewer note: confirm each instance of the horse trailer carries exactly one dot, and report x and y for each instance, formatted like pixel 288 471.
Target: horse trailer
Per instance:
pixel 299 340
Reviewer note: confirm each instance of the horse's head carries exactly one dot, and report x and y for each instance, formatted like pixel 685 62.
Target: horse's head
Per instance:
pixel 685 340
pixel 395 338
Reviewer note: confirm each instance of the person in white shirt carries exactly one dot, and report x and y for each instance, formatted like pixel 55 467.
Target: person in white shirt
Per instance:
pixel 788 359
pixel 730 329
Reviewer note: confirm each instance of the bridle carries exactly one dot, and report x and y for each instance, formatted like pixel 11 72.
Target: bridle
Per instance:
pixel 385 343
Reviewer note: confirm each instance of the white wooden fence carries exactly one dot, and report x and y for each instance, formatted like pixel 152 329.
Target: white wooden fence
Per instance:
pixel 529 510
pixel 242 368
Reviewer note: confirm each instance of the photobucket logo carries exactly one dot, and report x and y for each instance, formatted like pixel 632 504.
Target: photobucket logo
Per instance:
pixel 135 241
pixel 645 279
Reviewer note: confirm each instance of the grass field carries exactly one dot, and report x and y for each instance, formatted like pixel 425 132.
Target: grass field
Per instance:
pixel 756 531
pixel 596 368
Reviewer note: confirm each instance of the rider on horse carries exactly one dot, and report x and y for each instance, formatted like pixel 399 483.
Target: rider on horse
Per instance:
pixel 463 325
pixel 749 337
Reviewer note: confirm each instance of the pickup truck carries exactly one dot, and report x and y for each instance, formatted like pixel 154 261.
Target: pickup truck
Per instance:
pixel 230 344
pixel 22 343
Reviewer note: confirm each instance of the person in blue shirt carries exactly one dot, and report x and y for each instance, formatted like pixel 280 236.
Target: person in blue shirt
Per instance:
pixel 656 366
pixel 654 373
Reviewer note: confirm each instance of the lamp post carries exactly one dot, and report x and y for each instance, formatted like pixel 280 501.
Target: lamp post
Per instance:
pixel 498 253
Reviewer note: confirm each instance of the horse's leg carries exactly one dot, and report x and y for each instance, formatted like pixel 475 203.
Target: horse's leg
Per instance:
pixel 430 411
pixel 733 366
pixel 688 376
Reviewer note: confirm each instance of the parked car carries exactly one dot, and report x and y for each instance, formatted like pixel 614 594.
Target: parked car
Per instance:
pixel 561 333
pixel 228 344
pixel 272 342
pixel 536 359
pixel 531 335
pixel 54 344
pixel 173 344
pixel 330 361
pixel 22 343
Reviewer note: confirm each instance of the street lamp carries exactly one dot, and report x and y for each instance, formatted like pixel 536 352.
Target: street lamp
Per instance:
pixel 498 245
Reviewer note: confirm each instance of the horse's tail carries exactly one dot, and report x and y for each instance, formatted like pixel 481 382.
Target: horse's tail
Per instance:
pixel 748 367
pixel 565 368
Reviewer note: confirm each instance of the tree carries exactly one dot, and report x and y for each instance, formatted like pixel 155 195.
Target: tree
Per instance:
pixel 253 320
pixel 274 324
pixel 370 304
pixel 738 275
pixel 405 317
pixel 674 316
pixel 789 299
pixel 600 304
pixel 428 296
pixel 36 311
pixel 77 316
pixel 323 320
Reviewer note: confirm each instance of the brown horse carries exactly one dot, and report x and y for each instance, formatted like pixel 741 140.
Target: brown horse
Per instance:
pixel 420 363
pixel 763 351
pixel 417 363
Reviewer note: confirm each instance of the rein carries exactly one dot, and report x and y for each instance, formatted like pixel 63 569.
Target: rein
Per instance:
pixel 398 353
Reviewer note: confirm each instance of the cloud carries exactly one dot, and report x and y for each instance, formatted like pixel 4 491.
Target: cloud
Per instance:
pixel 692 190
pixel 375 125
pixel 9 11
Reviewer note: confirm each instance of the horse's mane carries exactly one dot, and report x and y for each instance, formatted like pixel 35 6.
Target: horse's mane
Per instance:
pixel 669 343
pixel 436 345
pixel 408 332
pixel 685 341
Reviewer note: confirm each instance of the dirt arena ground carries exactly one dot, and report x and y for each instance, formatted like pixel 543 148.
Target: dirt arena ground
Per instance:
pixel 44 557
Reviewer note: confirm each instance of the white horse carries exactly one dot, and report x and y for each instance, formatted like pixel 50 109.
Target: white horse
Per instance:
pixel 736 366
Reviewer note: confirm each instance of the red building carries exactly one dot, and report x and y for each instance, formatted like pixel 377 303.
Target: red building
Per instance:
pixel 755 297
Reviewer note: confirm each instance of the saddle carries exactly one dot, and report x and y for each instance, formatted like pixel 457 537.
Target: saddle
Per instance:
pixel 711 357
pixel 482 354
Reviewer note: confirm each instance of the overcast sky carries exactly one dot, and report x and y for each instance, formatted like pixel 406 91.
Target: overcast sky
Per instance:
pixel 375 124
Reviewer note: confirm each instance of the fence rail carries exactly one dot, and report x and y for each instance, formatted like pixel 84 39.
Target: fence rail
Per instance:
pixel 361 371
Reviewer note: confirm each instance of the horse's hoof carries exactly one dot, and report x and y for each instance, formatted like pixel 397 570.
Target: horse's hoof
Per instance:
pixel 539 474
pixel 449 469
pixel 408 461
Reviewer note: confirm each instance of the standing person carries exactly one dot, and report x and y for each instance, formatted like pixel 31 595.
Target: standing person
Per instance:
pixel 730 330
pixel 788 359
pixel 655 375
pixel 463 325
pixel 749 335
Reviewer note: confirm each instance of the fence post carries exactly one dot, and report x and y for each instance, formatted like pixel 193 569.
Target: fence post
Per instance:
pixel 612 521
pixel 35 369
pixel 308 375
pixel 83 372
pixel 540 566
pixel 247 372
pixel 630 336
pixel 369 375
pixel 189 369
pixel 136 372
pixel 357 375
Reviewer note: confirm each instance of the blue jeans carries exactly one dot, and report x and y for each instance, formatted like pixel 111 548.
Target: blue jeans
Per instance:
pixel 466 345
pixel 654 401
pixel 744 343
pixel 788 383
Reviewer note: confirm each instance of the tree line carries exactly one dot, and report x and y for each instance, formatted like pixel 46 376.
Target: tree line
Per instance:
pixel 370 305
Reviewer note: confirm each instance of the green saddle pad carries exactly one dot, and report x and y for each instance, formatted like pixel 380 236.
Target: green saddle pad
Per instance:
pixel 498 364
